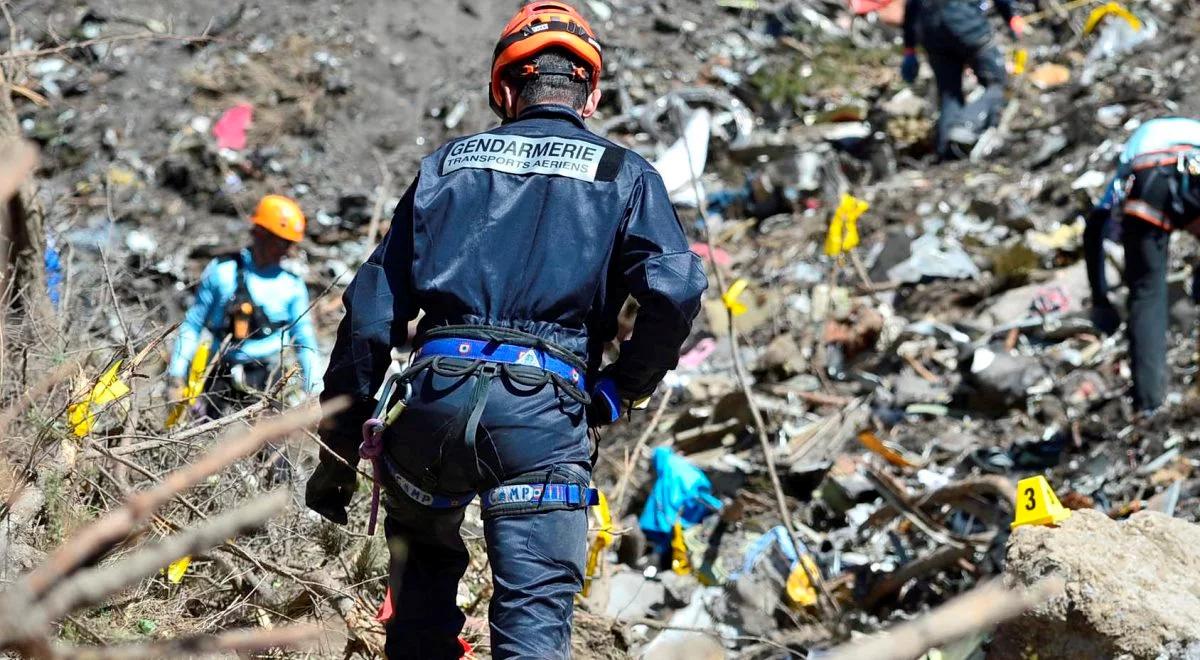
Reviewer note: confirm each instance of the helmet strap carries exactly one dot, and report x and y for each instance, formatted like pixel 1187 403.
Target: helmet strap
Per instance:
pixel 532 70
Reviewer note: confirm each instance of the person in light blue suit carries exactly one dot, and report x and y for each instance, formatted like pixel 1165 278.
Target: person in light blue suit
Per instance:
pixel 1155 191
pixel 254 308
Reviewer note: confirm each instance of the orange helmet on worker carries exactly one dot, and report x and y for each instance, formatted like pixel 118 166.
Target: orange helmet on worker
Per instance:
pixel 280 216
pixel 536 28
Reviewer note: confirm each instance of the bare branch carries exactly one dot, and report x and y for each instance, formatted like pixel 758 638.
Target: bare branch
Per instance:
pixel 120 523
pixel 975 611
pixel 19 158
pixel 826 602
pixel 187 434
pixel 623 483
pixel 94 584
pixel 235 641
pixel 140 36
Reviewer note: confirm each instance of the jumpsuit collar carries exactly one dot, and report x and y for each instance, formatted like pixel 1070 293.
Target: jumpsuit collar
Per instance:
pixel 551 111
pixel 247 262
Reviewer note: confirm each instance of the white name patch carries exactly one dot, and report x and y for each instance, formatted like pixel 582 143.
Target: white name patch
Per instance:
pixel 515 154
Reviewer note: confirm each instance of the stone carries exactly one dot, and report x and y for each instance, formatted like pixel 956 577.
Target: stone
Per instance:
pixel 1050 75
pixel 1133 589
pixel 906 103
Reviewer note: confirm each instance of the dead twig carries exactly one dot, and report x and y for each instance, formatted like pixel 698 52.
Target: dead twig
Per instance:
pixel 385 183
pixel 976 611
pixel 184 436
pixel 993 485
pixel 120 523
pixel 828 605
pixel 39 390
pixel 19 158
pixel 623 483
pixel 931 563
pixel 117 38
pixel 901 502
pixel 234 641
pixel 92 585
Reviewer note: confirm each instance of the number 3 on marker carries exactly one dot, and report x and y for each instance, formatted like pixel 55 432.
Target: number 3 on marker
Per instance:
pixel 1032 504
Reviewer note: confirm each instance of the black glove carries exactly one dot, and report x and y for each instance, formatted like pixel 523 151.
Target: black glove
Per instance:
pixel 329 491
pixel 1106 318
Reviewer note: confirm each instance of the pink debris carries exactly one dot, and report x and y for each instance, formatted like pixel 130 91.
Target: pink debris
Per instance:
pixel 1051 300
pixel 720 256
pixel 230 129
pixel 699 353
pixel 890 11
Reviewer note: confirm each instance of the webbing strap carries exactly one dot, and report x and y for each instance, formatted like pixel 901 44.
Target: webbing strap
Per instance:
pixel 1159 158
pixel 501 353
pixel 537 28
pixel 570 494
pixel 421 496
pixel 537 494
pixel 262 325
pixel 479 398
pixel 1144 211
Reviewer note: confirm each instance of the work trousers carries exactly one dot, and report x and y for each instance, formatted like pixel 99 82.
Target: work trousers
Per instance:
pixel 949 63
pixel 223 394
pixel 1146 275
pixel 536 557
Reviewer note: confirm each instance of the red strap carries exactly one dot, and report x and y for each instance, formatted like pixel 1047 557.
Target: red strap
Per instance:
pixel 385 608
pixel 1143 211
pixel 1160 157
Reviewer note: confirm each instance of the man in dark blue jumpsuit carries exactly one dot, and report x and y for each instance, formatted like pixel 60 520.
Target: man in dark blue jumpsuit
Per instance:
pixel 520 245
pixel 956 35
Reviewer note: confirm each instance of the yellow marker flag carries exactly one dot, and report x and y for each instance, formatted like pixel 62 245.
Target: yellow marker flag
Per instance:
pixel 1111 9
pixel 730 297
pixel 1020 61
pixel 843 228
pixel 604 538
pixel 681 563
pixel 799 589
pixel 109 388
pixel 177 568
pixel 195 384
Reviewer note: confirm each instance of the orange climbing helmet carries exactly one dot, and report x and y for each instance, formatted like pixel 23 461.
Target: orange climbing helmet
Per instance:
pixel 540 26
pixel 280 216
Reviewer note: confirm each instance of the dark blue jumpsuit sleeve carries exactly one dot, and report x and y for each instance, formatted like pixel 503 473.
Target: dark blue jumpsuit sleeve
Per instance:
pixel 912 11
pixel 666 278
pixel 379 304
pixel 1005 7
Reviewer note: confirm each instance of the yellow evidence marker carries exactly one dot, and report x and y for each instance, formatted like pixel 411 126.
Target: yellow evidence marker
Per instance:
pixel 843 227
pixel 109 388
pixel 194 387
pixel 730 297
pixel 604 538
pixel 681 562
pixel 1020 61
pixel 177 568
pixel 799 589
pixel 1037 504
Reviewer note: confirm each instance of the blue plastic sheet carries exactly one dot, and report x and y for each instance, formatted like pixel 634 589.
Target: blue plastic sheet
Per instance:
pixel 776 537
pixel 53 265
pixel 682 492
